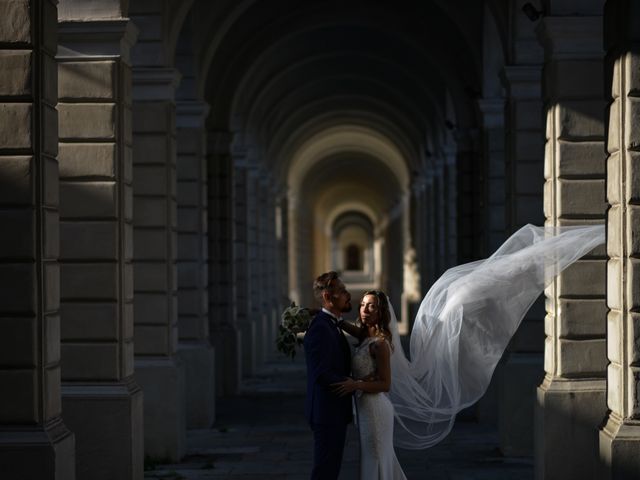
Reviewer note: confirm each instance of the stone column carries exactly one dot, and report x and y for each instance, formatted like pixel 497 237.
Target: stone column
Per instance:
pixel 620 436
pixel 255 292
pixel 521 369
pixel 194 347
pixel 101 399
pixel 158 370
pixel 34 441
pixel 268 255
pixel 245 322
pixel 492 111
pixel 571 399
pixel 282 257
pixel 430 227
pixel 469 185
pixel 441 217
pixel 493 144
pixel 225 336
pixel 451 209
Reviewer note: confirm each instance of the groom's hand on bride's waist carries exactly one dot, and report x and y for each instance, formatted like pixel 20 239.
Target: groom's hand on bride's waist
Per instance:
pixel 346 387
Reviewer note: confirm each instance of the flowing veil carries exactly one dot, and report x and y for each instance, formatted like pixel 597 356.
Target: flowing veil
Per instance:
pixel 464 324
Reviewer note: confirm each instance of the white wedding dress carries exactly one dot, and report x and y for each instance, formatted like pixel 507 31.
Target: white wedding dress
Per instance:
pixel 375 422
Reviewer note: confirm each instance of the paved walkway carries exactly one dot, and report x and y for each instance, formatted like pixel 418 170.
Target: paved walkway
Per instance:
pixel 261 434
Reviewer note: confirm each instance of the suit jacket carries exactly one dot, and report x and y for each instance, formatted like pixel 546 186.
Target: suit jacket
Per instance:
pixel 328 361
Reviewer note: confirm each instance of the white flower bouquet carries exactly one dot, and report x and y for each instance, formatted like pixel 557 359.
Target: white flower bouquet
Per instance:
pixel 295 320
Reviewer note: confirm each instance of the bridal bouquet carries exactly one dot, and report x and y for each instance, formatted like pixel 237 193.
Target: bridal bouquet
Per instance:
pixel 295 320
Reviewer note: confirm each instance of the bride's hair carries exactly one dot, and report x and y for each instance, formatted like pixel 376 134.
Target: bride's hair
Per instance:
pixel 384 317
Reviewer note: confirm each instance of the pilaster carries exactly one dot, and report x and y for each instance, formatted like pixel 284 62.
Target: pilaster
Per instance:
pixel 521 369
pixel 96 236
pixel 34 441
pixel 158 369
pixel 469 186
pixel 493 146
pixel 245 321
pixel 224 332
pixel 620 436
pixel 571 399
pixel 194 347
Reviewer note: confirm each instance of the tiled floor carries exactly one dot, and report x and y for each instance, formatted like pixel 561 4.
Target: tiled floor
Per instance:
pixel 261 434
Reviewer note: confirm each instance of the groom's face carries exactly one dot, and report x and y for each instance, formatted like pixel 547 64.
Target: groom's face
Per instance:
pixel 340 297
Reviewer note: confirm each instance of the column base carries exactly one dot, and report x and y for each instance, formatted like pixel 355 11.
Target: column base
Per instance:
pixel 520 375
pixel 227 343
pixel 43 452
pixel 163 382
pixel 567 416
pixel 107 423
pixel 248 336
pixel 619 450
pixel 199 364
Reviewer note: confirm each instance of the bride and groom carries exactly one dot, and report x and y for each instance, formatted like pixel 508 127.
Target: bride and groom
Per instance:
pixel 461 330
pixel 333 375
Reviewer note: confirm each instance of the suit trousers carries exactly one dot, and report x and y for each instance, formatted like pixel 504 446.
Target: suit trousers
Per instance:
pixel 328 445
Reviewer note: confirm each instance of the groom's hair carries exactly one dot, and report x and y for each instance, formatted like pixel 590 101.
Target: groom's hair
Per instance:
pixel 324 282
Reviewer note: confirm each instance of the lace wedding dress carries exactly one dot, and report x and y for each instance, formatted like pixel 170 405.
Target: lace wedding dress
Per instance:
pixel 375 422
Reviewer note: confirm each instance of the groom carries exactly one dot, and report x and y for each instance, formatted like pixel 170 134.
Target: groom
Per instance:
pixel 328 361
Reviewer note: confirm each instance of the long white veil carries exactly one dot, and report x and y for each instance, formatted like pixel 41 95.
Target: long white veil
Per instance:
pixel 464 324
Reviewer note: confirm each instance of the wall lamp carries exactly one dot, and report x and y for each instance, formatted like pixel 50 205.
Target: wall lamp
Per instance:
pixel 532 12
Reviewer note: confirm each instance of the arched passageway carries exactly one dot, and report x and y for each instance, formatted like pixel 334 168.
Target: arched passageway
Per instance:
pixel 176 172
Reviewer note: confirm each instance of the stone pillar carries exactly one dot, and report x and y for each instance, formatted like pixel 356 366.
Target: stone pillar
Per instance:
pixel 158 369
pixel 101 399
pixel 245 322
pixel 34 441
pixel 469 185
pixel 194 347
pixel 282 258
pixel 268 256
pixel 521 369
pixel 439 218
pixel 430 227
pixel 254 239
pixel 571 399
pixel 620 436
pixel 525 146
pixel 451 207
pixel 225 336
pixel 493 144
pixel 492 112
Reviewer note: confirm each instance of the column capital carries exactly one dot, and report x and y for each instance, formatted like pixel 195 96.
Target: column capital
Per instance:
pixel 155 83
pixel 571 37
pixel 96 38
pixel 492 110
pixel 191 113
pixel 522 81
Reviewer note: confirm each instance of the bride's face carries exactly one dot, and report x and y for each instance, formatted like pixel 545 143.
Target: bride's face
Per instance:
pixel 369 310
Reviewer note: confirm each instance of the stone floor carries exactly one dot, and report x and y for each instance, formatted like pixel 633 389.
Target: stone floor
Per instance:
pixel 261 434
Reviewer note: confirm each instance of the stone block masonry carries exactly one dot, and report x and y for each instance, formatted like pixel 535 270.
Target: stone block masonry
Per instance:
pixel 34 441
pixel 96 205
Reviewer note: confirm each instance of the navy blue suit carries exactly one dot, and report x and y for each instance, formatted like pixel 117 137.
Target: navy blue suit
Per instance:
pixel 328 361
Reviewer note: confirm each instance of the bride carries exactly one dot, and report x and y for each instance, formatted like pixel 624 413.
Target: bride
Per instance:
pixel 371 369
pixel 460 332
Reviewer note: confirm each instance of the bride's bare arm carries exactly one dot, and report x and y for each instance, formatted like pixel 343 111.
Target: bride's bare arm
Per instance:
pixel 352 329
